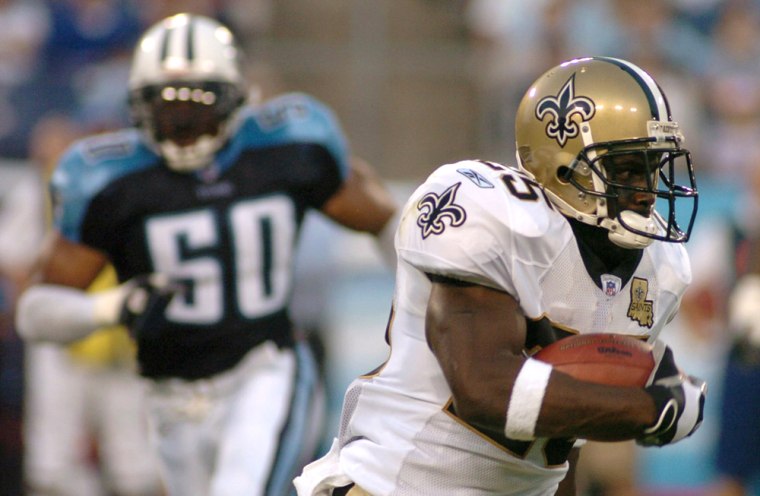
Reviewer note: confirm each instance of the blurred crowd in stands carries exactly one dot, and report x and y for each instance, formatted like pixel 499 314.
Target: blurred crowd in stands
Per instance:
pixel 71 57
pixel 63 74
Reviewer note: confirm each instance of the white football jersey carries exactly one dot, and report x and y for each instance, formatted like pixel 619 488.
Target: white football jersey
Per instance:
pixel 492 225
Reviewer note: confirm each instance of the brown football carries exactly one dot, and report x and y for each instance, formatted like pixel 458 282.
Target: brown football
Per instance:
pixel 611 359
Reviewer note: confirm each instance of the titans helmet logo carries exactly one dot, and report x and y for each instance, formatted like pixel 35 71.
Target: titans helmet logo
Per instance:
pixel 437 208
pixel 562 109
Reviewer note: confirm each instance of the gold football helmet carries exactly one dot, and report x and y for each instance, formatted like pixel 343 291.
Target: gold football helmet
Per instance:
pixel 585 128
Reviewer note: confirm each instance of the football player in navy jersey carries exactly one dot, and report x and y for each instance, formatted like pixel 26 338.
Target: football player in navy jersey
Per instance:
pixel 495 262
pixel 198 208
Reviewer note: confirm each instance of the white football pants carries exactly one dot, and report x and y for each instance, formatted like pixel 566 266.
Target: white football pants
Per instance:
pixel 248 431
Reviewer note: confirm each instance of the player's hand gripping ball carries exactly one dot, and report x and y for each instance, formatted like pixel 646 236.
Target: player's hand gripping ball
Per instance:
pixel 610 359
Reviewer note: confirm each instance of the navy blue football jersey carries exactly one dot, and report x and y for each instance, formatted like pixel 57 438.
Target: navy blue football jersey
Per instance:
pixel 228 231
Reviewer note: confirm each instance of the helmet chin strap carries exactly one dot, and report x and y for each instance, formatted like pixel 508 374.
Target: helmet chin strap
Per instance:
pixel 620 231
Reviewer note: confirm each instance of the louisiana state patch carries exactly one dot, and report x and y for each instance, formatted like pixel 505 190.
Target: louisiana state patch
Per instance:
pixel 641 309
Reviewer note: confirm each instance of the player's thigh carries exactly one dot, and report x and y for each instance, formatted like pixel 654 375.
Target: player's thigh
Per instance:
pixel 180 440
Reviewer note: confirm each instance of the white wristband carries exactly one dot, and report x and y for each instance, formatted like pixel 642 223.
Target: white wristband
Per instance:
pixel 526 399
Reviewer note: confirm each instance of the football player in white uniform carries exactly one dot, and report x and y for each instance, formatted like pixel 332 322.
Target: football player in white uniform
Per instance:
pixel 493 263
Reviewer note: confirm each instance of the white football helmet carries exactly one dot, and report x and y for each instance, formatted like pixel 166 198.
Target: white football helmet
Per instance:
pixel 186 87
pixel 585 128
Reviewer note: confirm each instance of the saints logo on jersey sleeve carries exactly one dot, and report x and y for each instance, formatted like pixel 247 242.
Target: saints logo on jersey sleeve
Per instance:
pixel 436 209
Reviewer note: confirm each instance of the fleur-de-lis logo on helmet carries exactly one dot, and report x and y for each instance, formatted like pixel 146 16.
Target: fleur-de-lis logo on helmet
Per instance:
pixel 561 109
pixel 436 208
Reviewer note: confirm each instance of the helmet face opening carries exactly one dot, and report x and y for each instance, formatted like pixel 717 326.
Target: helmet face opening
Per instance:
pixel 184 122
pixel 643 176
pixel 182 112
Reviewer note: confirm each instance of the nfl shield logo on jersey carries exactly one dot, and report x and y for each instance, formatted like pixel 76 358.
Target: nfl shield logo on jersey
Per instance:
pixel 611 284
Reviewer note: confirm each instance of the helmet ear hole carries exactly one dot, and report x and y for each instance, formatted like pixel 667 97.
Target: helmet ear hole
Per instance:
pixel 563 174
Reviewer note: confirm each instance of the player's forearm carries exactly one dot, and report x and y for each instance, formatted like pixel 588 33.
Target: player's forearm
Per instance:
pixel 48 312
pixel 573 408
pixel 543 402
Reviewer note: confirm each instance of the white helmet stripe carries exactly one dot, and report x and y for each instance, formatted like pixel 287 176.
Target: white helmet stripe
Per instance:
pixel 189 39
pixel 186 46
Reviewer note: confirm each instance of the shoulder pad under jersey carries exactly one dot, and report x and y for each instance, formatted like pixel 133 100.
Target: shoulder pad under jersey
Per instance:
pixel 294 118
pixel 474 220
pixel 87 167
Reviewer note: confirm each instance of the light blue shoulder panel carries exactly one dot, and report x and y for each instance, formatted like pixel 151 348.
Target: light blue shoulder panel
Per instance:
pixel 87 167
pixel 287 119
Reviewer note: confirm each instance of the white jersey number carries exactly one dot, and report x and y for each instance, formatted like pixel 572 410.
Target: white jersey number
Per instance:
pixel 260 234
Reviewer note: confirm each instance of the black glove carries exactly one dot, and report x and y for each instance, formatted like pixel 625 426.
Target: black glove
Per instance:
pixel 680 401
pixel 147 297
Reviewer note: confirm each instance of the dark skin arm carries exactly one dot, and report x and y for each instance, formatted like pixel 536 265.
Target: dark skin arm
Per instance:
pixel 67 263
pixel 362 203
pixel 477 335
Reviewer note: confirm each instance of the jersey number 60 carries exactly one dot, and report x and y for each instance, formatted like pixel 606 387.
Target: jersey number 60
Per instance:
pixel 243 253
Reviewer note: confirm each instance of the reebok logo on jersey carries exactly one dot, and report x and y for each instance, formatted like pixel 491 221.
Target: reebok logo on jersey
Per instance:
pixel 476 177
pixel 640 309
pixel 561 109
pixel 438 208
